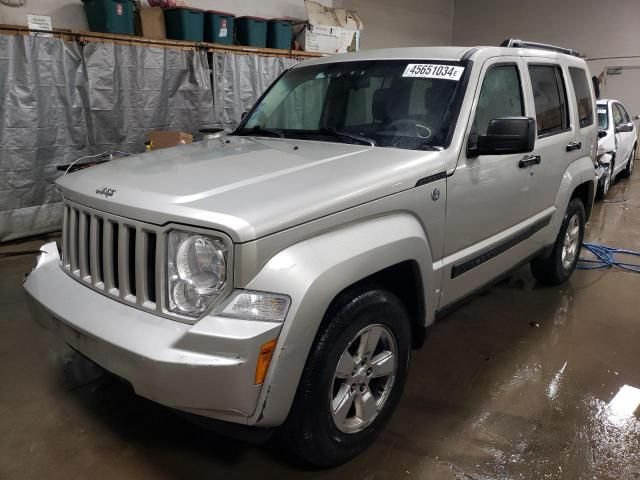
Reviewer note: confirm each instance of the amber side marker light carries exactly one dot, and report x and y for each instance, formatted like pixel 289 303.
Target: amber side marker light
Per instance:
pixel 264 359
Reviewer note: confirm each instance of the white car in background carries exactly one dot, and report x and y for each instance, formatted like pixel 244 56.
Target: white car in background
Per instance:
pixel 617 142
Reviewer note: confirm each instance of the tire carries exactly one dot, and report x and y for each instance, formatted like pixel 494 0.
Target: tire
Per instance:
pixel 605 184
pixel 628 170
pixel 310 433
pixel 555 268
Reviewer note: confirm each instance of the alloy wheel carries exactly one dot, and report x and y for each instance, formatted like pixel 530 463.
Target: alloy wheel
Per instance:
pixel 571 242
pixel 363 379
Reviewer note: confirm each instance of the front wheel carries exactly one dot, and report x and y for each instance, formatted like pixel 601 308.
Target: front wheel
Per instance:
pixel 605 184
pixel 557 267
pixel 353 379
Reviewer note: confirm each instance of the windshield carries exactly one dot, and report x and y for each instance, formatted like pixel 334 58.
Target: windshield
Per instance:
pixel 603 121
pixel 384 103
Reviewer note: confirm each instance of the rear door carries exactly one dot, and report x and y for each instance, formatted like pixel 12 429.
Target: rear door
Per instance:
pixel 558 143
pixel 583 113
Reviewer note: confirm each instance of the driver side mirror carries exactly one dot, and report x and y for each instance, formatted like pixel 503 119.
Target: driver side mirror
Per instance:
pixel 602 133
pixel 504 136
pixel 624 128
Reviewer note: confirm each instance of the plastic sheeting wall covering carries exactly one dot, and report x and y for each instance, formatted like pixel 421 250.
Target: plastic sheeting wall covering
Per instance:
pixel 60 101
pixel 238 81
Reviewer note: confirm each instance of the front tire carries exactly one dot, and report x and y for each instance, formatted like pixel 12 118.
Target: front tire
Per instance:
pixel 557 267
pixel 603 187
pixel 353 379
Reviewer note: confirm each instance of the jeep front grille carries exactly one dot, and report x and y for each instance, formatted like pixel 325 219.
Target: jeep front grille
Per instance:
pixel 114 255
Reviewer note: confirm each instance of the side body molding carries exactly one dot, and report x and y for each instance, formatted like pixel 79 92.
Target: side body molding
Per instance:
pixel 312 273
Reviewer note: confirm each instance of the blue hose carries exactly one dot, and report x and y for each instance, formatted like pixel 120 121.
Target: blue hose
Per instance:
pixel 606 258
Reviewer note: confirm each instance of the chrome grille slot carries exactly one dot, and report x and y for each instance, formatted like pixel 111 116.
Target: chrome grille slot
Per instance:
pixel 73 241
pixel 133 253
pixel 95 251
pixel 116 256
pixel 150 270
pixel 83 245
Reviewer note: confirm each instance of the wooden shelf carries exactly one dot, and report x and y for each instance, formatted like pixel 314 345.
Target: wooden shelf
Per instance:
pixel 82 36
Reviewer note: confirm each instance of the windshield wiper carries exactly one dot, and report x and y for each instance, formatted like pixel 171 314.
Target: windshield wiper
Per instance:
pixel 338 133
pixel 259 130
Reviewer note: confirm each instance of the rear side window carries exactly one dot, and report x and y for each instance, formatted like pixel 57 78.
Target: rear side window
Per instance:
pixel 550 98
pixel 500 96
pixel 583 96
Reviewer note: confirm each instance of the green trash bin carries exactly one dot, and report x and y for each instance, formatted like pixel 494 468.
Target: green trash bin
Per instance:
pixel 110 16
pixel 251 31
pixel 218 27
pixel 183 23
pixel 279 34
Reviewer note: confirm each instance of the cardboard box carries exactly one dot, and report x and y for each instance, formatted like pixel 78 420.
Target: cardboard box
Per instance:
pixel 152 23
pixel 330 30
pixel 168 138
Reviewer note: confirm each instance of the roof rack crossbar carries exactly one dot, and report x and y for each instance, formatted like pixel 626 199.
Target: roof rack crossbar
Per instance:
pixel 516 43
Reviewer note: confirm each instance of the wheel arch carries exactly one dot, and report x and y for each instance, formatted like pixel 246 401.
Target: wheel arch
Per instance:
pixel 404 280
pixel 579 180
pixel 382 251
pixel 585 192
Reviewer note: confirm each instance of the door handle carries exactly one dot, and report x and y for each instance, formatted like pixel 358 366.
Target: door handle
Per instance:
pixel 529 161
pixel 574 146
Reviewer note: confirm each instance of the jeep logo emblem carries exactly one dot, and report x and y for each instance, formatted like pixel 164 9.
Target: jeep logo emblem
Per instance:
pixel 107 192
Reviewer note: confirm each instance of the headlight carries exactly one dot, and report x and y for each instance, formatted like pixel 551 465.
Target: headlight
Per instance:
pixel 197 271
pixel 250 305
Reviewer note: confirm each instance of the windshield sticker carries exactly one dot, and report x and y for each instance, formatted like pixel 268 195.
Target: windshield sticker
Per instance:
pixel 426 70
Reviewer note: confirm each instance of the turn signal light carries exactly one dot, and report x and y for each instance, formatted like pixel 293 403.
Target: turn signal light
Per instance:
pixel 264 359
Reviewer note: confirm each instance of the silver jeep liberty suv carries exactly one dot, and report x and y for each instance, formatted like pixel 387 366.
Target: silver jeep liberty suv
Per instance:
pixel 276 279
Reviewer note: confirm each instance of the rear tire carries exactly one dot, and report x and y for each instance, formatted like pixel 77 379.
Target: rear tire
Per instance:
pixel 557 267
pixel 333 418
pixel 628 170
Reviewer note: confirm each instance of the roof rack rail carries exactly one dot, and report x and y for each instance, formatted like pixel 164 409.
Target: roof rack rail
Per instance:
pixel 516 43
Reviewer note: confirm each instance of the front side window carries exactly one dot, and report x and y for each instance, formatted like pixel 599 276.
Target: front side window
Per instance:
pixel 583 96
pixel 379 102
pixel 500 96
pixel 625 115
pixel 617 115
pixel 550 99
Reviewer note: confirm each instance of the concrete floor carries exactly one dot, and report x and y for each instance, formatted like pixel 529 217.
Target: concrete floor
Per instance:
pixel 523 382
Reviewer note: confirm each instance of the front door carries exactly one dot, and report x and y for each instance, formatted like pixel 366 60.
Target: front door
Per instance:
pixel 489 197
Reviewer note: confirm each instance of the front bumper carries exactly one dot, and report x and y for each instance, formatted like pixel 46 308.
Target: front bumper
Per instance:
pixel 207 368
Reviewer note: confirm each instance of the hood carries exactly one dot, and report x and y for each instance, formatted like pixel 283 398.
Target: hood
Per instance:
pixel 247 187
